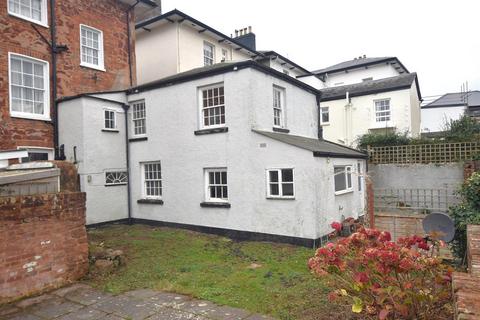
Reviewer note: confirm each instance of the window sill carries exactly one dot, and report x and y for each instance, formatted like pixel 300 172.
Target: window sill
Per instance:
pixel 115 185
pixel 19 16
pixel 110 130
pixel 14 114
pixel 92 66
pixel 150 201
pixel 215 205
pixel 339 193
pixel 382 125
pixel 282 130
pixel 325 124
pixel 210 131
pixel 137 139
pixel 280 198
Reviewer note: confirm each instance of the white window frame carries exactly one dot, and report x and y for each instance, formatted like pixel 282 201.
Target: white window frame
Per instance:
pixel 101 50
pixel 114 119
pixel 360 175
pixel 225 55
pixel 322 111
pixel 207 184
pixel 44 15
pixel 144 181
pixel 282 108
pixel 205 57
pixel 201 109
pixel 280 182
pixel 48 151
pixel 46 89
pixel 375 112
pixel 348 169
pixel 132 103
pixel 116 171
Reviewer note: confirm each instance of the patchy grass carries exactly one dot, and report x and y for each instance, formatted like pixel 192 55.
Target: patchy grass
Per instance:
pixel 261 277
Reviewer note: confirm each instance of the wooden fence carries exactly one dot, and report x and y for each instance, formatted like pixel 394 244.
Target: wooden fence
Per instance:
pixel 414 200
pixel 425 153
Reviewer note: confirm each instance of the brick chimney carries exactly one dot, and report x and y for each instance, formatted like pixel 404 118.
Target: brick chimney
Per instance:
pixel 246 37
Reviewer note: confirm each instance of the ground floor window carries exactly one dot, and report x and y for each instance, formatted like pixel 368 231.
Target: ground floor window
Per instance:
pixel 37 154
pixel 280 183
pixel 343 179
pixel 152 180
pixel 113 178
pixel 216 185
pixel 110 120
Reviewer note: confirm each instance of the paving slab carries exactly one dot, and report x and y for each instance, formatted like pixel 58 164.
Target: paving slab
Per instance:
pixel 65 290
pixel 125 306
pixel 227 313
pixel 87 296
pixel 23 316
pixel 53 308
pixel 165 299
pixel 200 307
pixel 86 313
pixel 259 317
pixel 173 314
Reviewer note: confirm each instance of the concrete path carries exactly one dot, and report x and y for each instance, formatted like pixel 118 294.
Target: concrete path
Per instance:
pixel 81 302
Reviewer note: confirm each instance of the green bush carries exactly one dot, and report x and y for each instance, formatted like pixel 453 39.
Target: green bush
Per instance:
pixel 467 212
pixel 463 129
pixel 383 139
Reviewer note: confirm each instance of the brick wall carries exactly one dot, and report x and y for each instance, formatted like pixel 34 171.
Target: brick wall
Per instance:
pixel 18 36
pixel 400 225
pixel 466 291
pixel 43 243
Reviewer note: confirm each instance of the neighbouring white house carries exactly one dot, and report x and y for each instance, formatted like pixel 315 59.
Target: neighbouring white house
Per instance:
pixel 231 148
pixel 186 43
pixel 450 106
pixel 366 95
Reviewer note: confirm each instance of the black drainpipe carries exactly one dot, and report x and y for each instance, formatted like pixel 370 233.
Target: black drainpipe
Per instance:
pixel 320 128
pixel 53 35
pixel 129 49
pixel 127 150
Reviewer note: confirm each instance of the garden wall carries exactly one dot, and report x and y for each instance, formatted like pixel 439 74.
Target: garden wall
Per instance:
pixel 43 243
pixel 400 225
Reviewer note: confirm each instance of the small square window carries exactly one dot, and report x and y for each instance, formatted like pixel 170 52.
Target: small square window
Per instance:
pixel 216 185
pixel 325 115
pixel 110 120
pixel 280 183
pixel 343 179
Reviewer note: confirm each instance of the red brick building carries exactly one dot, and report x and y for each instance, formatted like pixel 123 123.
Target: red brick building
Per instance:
pixel 92 50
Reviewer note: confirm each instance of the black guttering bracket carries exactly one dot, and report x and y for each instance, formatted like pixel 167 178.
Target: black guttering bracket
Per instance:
pixel 220 70
pixel 185 16
pixel 126 107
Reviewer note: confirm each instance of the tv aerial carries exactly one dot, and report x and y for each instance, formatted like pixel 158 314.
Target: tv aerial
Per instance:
pixel 439 226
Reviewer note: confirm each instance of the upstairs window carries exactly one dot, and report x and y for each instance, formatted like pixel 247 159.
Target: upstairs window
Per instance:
pixel 213 106
pixel 139 118
pixel 152 180
pixel 208 54
pixel 91 48
pixel 278 106
pixel 325 115
pixel 382 110
pixel 31 10
pixel 225 56
pixel 110 120
pixel 216 185
pixel 343 179
pixel 280 183
pixel 29 93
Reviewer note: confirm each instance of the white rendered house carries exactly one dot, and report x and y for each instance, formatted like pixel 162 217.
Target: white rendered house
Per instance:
pixel 366 95
pixel 231 148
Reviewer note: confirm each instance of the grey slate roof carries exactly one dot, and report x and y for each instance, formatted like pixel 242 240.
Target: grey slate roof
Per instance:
pixel 355 63
pixel 470 99
pixel 320 148
pixel 403 81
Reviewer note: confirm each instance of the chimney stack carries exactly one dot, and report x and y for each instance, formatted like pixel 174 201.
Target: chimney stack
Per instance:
pixel 246 37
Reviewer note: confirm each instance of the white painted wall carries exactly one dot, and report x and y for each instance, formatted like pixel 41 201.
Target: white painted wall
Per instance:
pixel 80 124
pixel 172 118
pixel 347 123
pixel 352 76
pixel 313 81
pixel 434 119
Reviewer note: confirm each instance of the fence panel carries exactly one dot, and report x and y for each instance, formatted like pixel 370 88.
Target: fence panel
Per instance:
pixel 425 153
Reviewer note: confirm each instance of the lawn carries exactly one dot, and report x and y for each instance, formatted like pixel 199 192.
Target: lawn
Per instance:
pixel 261 277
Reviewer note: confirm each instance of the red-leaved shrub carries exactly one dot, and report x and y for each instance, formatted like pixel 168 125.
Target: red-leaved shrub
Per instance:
pixel 386 280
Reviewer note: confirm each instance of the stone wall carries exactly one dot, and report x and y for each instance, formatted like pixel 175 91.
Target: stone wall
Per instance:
pixel 400 225
pixel 43 243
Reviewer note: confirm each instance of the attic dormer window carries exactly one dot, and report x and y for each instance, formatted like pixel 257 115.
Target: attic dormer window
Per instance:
pixel 208 54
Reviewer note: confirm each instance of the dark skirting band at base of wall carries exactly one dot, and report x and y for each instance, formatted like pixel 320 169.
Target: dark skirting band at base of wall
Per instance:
pixel 233 234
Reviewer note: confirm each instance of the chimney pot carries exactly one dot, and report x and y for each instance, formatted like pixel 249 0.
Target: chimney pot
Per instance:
pixel 364 56
pixel 249 29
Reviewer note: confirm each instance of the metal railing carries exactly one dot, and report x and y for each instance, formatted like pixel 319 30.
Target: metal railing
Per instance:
pixel 424 153
pixel 418 200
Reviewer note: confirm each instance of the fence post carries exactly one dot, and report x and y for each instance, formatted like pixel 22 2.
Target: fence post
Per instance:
pixel 370 203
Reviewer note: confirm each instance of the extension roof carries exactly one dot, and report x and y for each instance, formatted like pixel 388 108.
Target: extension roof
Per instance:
pixel 457 99
pixel 362 62
pixel 400 82
pixel 320 148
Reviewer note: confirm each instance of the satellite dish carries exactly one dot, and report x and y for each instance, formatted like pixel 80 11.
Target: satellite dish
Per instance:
pixel 439 226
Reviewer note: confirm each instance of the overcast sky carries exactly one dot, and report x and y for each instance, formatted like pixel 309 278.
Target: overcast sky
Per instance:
pixel 440 40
